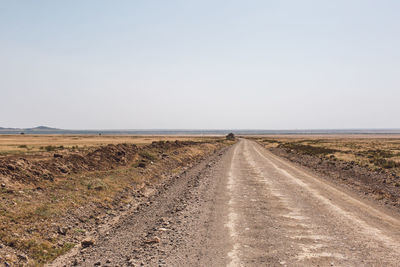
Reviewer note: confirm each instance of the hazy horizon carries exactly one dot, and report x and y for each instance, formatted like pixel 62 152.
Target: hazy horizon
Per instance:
pixel 350 130
pixel 200 65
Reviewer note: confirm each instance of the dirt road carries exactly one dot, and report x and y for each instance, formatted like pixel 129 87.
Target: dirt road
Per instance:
pixel 247 207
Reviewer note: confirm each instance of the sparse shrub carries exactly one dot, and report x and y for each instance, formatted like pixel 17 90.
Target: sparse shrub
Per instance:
pixel 43 211
pixel 378 153
pixel 384 163
pixel 97 184
pixel 42 252
pixel 135 164
pixel 49 148
pixel 23 146
pixel 142 164
pixel 147 155
pixel 271 141
pixel 307 149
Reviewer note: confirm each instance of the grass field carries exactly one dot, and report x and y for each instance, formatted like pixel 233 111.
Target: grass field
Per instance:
pixel 30 144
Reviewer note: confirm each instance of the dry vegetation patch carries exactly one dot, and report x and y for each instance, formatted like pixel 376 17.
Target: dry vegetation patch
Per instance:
pixel 34 144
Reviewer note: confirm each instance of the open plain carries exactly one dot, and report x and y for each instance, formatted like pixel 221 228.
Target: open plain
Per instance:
pixel 256 201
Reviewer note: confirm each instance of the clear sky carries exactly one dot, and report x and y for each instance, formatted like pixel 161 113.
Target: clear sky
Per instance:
pixel 200 64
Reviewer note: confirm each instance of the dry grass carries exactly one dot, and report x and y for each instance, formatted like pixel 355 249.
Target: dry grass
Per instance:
pixel 31 144
pixel 374 151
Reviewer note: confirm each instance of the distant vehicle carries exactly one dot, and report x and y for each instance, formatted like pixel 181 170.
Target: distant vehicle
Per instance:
pixel 230 136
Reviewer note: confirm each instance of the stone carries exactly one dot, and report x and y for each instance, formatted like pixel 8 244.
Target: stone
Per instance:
pixel 87 242
pixel 63 170
pixel 154 240
pixel 142 165
pixel 11 167
pixel 22 257
pixel 131 262
pixel 62 230
pixel 3 185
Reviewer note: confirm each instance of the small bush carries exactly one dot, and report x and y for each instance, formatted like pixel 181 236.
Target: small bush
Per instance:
pixel 49 148
pixel 42 251
pixel 307 149
pixel 380 154
pixel 271 141
pixel 147 155
pixel 97 184
pixel 43 211
pixel 135 164
pixel 384 163
pixel 23 146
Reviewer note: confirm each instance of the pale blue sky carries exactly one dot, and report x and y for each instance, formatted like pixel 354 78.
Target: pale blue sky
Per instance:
pixel 200 64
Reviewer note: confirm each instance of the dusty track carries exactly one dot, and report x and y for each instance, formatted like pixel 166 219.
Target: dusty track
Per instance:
pixel 247 207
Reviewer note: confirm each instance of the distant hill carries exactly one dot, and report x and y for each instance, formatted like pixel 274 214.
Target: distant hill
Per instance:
pixel 50 130
pixel 38 129
pixel 41 128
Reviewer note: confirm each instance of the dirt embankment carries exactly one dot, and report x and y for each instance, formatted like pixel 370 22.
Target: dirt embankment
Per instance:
pixel 49 204
pixel 380 184
pixel 32 170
